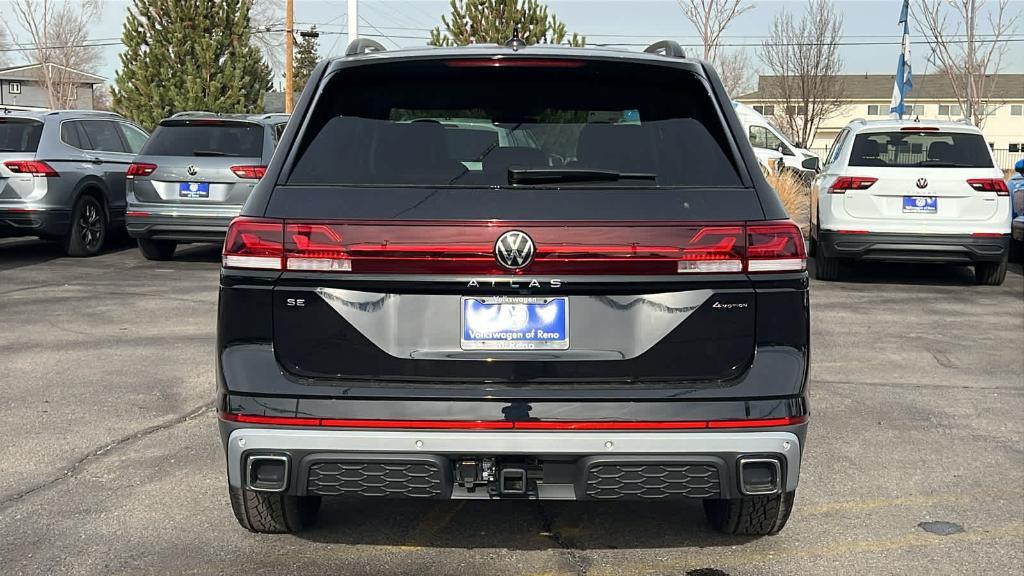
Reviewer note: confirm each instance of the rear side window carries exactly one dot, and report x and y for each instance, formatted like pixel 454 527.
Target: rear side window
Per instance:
pixel 18 135
pixel 206 138
pixel 103 136
pixel 69 134
pixel 925 148
pixel 467 123
pixel 135 138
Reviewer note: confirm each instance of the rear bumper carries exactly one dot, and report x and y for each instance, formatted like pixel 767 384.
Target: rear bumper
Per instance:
pixel 180 223
pixel 34 222
pixel 952 249
pixel 573 465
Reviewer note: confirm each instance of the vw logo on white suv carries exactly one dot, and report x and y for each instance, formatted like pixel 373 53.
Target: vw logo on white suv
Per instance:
pixel 922 183
pixel 514 250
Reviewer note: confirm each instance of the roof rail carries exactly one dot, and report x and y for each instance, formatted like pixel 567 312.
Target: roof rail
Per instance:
pixel 90 112
pixel 364 46
pixel 666 48
pixel 185 113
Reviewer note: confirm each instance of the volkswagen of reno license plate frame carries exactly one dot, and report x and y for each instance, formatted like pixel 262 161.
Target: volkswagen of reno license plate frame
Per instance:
pixel 515 323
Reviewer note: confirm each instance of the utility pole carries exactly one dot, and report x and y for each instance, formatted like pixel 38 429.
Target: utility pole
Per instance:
pixel 353 20
pixel 289 54
pixel 972 15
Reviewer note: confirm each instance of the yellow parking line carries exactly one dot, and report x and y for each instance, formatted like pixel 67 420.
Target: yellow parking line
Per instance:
pixel 722 559
pixel 433 522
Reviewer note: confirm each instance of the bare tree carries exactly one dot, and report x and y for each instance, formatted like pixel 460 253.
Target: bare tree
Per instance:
pixel 803 58
pixel 4 47
pixel 951 28
pixel 711 18
pixel 57 34
pixel 267 32
pixel 736 71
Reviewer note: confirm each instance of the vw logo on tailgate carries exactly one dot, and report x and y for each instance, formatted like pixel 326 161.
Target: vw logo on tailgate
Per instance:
pixel 514 250
pixel 922 183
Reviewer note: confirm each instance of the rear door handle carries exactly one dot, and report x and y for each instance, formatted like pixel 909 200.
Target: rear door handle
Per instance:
pixel 96 160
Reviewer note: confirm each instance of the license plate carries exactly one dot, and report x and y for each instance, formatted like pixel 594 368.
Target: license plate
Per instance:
pixel 515 323
pixel 920 204
pixel 194 190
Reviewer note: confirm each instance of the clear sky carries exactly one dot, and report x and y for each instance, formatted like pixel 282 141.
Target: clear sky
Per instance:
pixel 634 23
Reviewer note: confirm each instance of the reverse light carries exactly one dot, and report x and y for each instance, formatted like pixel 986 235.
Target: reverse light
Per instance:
pixel 990 185
pixel 139 169
pixel 249 172
pixel 254 243
pixel 844 183
pixel 31 167
pixel 713 249
pixel 315 247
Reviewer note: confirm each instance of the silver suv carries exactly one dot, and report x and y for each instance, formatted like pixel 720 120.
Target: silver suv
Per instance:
pixel 62 175
pixel 193 176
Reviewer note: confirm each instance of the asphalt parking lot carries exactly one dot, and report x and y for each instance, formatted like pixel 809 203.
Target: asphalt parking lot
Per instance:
pixel 110 462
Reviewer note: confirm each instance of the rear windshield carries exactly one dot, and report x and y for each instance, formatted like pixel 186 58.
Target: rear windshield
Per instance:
pixel 19 135
pixel 926 148
pixel 203 138
pixel 460 123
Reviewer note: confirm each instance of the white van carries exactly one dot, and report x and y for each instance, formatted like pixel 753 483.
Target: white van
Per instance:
pixel 771 145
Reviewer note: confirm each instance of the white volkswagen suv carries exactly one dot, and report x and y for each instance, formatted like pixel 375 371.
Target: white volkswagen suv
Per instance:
pixel 905 191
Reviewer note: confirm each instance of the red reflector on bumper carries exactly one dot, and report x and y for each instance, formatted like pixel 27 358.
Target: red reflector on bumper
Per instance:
pixel 510 425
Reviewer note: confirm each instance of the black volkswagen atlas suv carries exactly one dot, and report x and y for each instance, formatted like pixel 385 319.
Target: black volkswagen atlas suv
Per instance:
pixel 514 272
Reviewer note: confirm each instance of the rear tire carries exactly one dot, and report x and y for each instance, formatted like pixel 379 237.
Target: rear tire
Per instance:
pixel 88 228
pixel 825 268
pixel 157 249
pixel 273 513
pixel 990 273
pixel 751 515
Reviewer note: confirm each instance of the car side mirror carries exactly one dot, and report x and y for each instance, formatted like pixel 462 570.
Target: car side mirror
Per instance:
pixel 813 163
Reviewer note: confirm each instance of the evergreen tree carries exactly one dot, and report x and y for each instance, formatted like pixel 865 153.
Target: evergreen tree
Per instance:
pixel 188 55
pixel 493 22
pixel 306 57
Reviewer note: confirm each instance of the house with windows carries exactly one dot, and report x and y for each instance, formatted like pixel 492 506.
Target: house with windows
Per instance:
pixel 867 96
pixel 22 87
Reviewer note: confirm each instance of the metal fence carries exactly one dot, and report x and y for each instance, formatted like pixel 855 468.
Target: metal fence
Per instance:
pixel 1005 158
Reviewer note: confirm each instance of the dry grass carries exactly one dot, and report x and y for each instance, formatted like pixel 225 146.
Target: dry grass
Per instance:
pixel 795 197
pixel 1007 174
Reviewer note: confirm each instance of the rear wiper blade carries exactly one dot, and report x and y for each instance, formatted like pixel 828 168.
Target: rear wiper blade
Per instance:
pixel 555 175
pixel 211 153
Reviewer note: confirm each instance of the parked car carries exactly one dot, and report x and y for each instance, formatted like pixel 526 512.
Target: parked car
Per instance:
pixel 771 145
pixel 62 175
pixel 193 176
pixel 908 191
pixel 631 325
pixel 1016 186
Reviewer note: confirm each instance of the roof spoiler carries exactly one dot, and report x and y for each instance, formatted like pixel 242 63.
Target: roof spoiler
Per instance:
pixel 87 112
pixel 669 48
pixel 364 46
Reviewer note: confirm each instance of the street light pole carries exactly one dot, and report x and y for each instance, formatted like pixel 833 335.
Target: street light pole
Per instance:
pixel 289 53
pixel 353 20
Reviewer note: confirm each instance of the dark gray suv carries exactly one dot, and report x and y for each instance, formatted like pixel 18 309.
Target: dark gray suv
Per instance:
pixel 62 175
pixel 194 175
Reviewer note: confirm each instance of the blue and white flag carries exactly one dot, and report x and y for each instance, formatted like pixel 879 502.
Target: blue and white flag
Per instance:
pixel 904 79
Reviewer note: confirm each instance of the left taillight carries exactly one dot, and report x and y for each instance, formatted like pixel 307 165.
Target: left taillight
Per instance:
pixel 139 169
pixel 775 247
pixel 254 244
pixel 990 185
pixel 249 172
pixel 31 167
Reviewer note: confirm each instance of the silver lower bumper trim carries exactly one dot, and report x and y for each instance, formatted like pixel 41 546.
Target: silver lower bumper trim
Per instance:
pixel 783 444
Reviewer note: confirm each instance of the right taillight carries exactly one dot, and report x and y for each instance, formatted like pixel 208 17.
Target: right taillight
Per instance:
pixel 844 183
pixel 990 185
pixel 254 243
pixel 775 247
pixel 713 249
pixel 139 169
